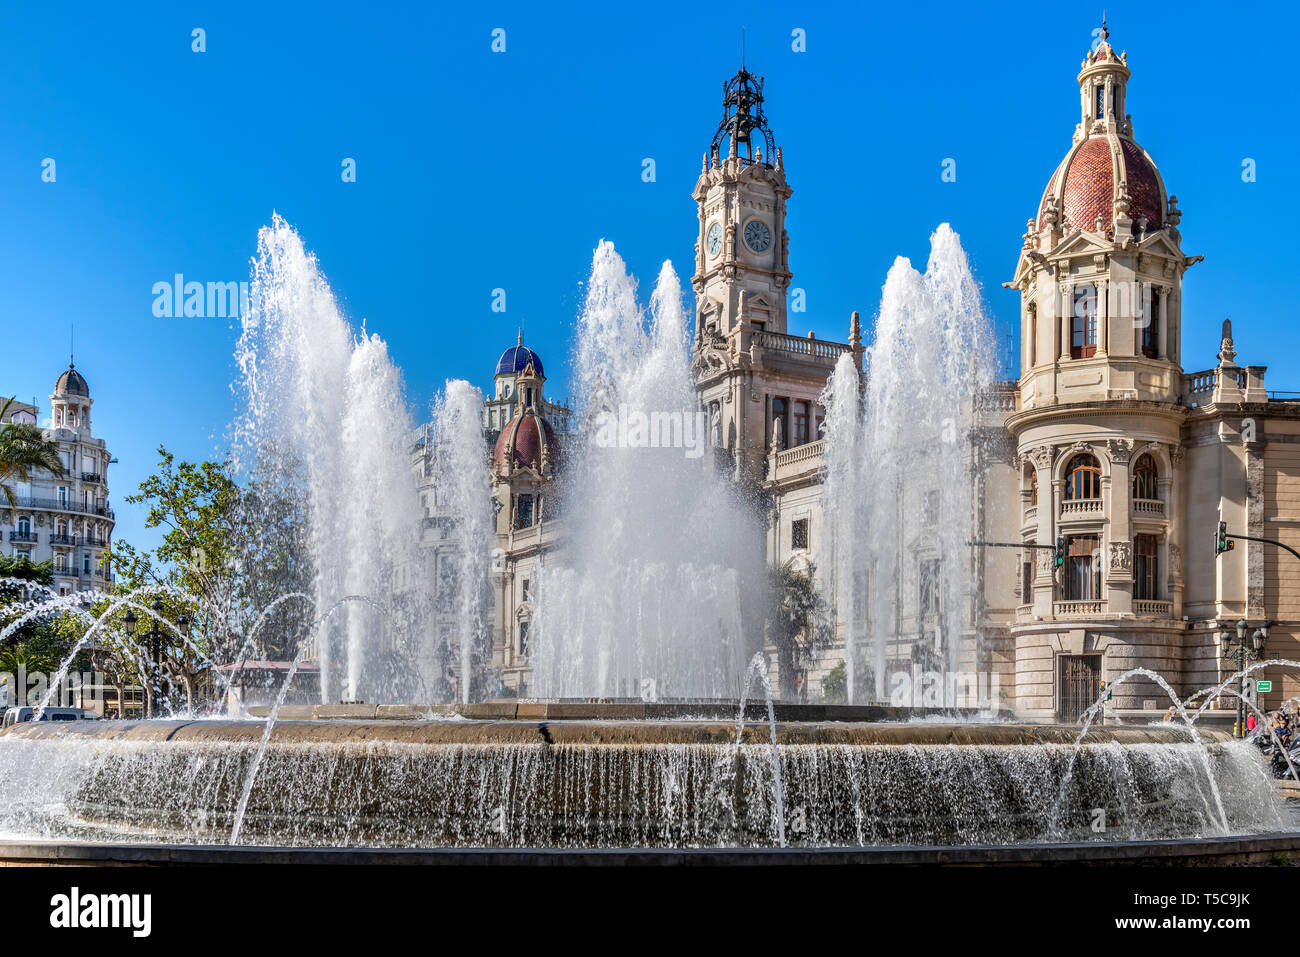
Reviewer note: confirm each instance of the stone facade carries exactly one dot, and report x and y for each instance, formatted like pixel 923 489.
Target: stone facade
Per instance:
pixel 1104 444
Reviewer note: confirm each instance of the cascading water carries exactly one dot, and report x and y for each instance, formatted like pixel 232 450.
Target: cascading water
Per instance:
pixel 900 498
pixel 462 498
pixel 332 403
pixel 645 599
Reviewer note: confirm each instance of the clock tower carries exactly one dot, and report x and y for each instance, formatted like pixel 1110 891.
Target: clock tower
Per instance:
pixel 758 385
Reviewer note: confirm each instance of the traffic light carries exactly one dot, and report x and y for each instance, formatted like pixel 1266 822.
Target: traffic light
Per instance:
pixel 1222 543
pixel 1105 691
pixel 1060 552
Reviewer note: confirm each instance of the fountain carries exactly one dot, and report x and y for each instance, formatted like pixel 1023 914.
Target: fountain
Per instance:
pixel 898 469
pixel 645 600
pixel 647 639
pixel 332 403
pixel 461 488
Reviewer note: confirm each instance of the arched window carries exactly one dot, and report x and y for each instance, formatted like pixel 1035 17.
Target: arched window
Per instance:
pixel 1082 478
pixel 1033 487
pixel 1083 322
pixel 1082 579
pixel 1145 566
pixel 1145 484
pixel 1150 320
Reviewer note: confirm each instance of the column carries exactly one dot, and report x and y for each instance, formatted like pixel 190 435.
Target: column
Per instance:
pixel 1160 298
pixel 1117 560
pixel 1103 317
pixel 1171 493
pixel 1049 497
pixel 1066 317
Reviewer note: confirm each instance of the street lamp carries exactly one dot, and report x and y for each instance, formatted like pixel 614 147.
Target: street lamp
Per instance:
pixel 1243 650
pixel 154 638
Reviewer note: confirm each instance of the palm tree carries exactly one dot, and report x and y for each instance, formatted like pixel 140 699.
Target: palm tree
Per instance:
pixel 23 656
pixel 23 450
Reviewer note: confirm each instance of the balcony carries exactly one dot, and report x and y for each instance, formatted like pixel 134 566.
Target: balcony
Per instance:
pixel 1081 508
pixel 23 537
pixel 63 539
pixel 91 541
pixel 1148 507
pixel 1078 609
pixel 1031 517
pixel 1153 609
pixel 60 505
pixel 92 477
pixel 796 345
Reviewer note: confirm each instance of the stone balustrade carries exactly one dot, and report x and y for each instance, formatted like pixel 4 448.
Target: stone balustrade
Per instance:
pixel 1077 609
pixel 1153 609
pixel 798 345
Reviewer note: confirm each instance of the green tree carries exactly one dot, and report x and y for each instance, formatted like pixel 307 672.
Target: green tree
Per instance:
pixel 799 624
pixel 24 450
pixel 227 553
pixel 190 572
pixel 39 638
pixel 835 686
pixel 273 554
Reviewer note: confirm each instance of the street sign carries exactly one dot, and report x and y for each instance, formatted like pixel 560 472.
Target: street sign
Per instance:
pixel 1264 685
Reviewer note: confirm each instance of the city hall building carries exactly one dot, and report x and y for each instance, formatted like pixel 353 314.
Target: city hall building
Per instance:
pixel 1106 443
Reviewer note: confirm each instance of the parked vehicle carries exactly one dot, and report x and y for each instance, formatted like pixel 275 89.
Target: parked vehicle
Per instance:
pixel 15 716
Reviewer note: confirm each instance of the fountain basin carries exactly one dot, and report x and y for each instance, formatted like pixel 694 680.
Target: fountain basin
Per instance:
pixel 618 783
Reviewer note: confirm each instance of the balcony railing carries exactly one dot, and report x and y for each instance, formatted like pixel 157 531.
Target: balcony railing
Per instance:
pixel 63 539
pixel 800 453
pixel 92 541
pixel 1200 385
pixel 1153 609
pixel 92 477
pixel 59 505
pixel 1081 508
pixel 1149 506
pixel 1077 609
pixel 23 537
pixel 816 348
pixel 1031 516
pixel 999 398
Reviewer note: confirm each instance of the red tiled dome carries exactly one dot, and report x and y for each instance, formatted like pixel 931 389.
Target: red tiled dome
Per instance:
pixel 1086 182
pixel 526 441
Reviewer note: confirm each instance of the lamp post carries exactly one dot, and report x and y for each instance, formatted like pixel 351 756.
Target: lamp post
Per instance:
pixel 154 643
pixel 1243 650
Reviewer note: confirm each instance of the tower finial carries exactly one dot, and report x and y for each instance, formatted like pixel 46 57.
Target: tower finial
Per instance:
pixel 72 346
pixel 521 335
pixel 1105 34
pixel 742 48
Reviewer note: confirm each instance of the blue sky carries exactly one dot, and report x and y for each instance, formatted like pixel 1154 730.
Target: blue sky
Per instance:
pixel 479 170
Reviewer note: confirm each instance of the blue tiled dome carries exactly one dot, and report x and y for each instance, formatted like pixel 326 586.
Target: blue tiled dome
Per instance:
pixel 516 358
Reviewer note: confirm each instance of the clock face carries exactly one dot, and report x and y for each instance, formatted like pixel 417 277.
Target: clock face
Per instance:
pixel 715 239
pixel 757 236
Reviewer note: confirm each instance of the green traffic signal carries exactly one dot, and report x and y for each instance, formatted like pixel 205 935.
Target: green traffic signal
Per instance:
pixel 1221 541
pixel 1060 552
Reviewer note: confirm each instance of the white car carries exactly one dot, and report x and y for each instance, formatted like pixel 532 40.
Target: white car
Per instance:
pixel 19 715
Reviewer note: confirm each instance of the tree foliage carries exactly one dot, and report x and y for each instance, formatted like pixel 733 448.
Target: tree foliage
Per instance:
pixel 799 624
pixel 24 450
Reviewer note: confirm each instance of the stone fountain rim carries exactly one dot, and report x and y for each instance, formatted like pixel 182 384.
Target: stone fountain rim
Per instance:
pixel 1236 849
pixel 604 733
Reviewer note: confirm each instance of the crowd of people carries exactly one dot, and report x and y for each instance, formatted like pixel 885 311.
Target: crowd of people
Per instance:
pixel 1278 740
